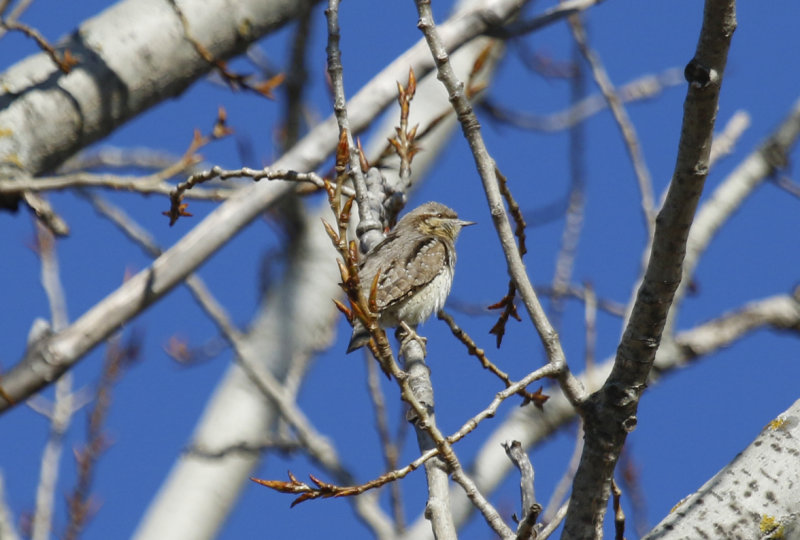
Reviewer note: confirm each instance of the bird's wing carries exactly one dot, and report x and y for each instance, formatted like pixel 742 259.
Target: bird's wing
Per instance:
pixel 407 274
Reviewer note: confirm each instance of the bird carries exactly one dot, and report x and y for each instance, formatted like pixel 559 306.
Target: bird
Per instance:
pixel 414 265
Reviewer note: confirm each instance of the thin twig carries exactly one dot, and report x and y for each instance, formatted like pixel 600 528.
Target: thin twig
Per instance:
pixel 623 121
pixel 468 427
pixel 557 497
pixel 176 195
pixel 81 506
pixel 551 527
pixel 576 292
pixel 140 184
pixel 507 303
pixel 631 480
pixel 7 529
pixel 537 398
pixel 149 159
pixel 235 80
pixel 390 450
pixel 573 223
pixel 297 75
pixel 619 515
pixel 283 445
pixel 767 160
pixel 530 508
pixel 553 14
pixel 725 141
pixel 64 405
pixel 64 61
pixel 590 322
pixel 45 213
pixel 645 87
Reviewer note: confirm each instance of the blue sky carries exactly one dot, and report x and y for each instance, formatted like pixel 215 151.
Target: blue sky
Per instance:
pixel 690 424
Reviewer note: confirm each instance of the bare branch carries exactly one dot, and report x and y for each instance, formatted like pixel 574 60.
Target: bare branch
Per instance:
pixel 642 88
pixel 530 508
pixel 623 121
pixel 390 447
pixel 762 476
pixel 7 529
pixel 369 225
pixel 80 504
pixel 487 170
pixel 556 13
pixel 765 161
pixel 297 76
pixel 64 404
pixel 533 427
pixel 725 141
pixel 573 224
pixel 537 398
pixel 144 185
pixel 610 414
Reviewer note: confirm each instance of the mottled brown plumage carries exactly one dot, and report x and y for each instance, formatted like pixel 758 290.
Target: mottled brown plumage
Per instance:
pixel 415 265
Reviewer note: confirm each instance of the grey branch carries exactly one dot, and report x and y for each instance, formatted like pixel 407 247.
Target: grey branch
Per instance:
pixel 622 119
pixel 610 414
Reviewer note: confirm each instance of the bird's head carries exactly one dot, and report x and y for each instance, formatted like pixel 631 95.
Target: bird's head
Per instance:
pixel 435 219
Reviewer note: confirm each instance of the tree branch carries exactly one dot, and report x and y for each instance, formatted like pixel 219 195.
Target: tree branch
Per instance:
pixel 610 414
pixel 734 503
pixel 122 73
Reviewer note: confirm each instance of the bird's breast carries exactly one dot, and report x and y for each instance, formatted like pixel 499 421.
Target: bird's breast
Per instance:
pixel 425 302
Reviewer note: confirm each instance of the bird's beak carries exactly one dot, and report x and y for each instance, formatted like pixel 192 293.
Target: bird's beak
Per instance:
pixel 465 223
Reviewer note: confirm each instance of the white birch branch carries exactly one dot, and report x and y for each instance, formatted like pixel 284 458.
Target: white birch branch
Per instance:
pixel 754 496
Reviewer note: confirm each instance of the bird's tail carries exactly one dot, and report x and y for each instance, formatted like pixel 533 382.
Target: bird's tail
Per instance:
pixel 359 338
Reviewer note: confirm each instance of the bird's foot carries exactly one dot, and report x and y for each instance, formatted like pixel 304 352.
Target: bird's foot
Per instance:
pixel 406 333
